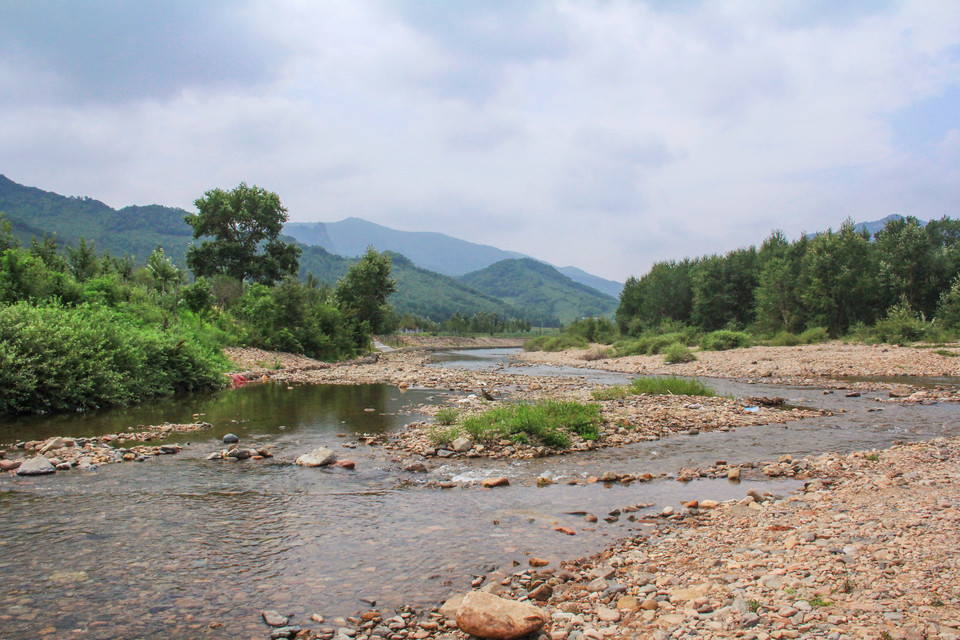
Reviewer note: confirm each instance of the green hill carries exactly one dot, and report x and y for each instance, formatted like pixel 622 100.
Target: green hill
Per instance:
pixel 132 230
pixel 541 291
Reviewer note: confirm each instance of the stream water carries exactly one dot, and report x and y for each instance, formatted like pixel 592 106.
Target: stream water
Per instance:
pixel 164 548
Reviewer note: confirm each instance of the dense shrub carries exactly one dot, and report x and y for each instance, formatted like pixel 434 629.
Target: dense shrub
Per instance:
pixel 725 339
pixel 677 353
pixel 54 358
pixel 595 330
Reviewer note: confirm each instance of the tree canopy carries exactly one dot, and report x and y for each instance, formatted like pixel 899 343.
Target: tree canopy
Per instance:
pixel 245 225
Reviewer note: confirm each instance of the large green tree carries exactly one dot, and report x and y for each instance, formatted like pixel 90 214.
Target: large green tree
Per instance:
pixel 362 293
pixel 245 225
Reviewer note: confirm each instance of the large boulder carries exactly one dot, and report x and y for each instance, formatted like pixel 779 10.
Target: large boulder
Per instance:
pixel 36 466
pixel 317 458
pixel 488 616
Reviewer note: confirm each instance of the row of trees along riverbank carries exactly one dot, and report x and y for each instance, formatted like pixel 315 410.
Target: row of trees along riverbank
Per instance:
pixel 80 330
pixel 843 281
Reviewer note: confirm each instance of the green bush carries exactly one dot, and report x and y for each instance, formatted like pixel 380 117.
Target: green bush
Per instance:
pixel 54 358
pixel 814 335
pixel 558 342
pixel 901 326
pixel 677 353
pixel 725 339
pixel 648 344
pixel 784 339
pixel 594 330
pixel 549 423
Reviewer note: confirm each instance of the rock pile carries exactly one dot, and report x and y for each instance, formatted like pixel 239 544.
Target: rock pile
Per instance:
pixel 65 453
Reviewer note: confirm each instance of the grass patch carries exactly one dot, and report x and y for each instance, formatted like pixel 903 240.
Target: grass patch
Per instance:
pixel 655 386
pixel 946 353
pixel 441 435
pixel 560 342
pixel 816 602
pixel 549 423
pixel 447 416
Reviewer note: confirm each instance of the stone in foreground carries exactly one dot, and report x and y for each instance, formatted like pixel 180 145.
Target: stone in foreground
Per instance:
pixel 488 616
pixel 317 458
pixel 36 466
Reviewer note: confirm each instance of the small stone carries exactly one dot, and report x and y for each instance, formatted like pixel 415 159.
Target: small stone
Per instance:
pixel 490 483
pixel 462 445
pixel 628 603
pixel 733 474
pixel 566 530
pixel 538 562
pixel 274 618
pixel 231 438
pixel 605 614
pixel 597 585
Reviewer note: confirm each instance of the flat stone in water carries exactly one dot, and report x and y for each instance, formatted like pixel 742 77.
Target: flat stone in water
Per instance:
pixel 36 466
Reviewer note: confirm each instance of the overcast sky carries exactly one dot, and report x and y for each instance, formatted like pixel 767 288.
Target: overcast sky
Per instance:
pixel 606 135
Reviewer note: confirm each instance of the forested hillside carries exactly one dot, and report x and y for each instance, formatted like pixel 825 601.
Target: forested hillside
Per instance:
pixel 545 295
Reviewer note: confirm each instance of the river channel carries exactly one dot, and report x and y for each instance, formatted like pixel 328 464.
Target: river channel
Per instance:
pixel 181 547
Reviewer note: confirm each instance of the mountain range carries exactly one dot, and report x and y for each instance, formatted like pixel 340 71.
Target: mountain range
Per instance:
pixel 437 275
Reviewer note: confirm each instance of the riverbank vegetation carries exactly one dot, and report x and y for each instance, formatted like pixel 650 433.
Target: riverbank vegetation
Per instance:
pixel 900 285
pixel 655 386
pixel 80 329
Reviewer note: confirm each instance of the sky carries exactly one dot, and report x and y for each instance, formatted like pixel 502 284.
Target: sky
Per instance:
pixel 607 135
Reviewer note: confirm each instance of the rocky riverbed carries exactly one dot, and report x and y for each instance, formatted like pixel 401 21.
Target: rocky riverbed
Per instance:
pixel 833 364
pixel 63 453
pixel 625 420
pixel 867 549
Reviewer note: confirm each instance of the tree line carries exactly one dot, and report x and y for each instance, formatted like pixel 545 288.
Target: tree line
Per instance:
pixel 839 280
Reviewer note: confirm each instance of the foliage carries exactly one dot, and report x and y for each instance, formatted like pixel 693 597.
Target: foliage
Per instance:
pixel 835 280
pixel 901 325
pixel 362 294
pixel 55 358
pixel 655 386
pixel 296 318
pixel 556 342
pixel 546 296
pixel 650 344
pixel 485 322
pixel 447 415
pixel 549 423
pixel 677 353
pixel 594 330
pixel 438 435
pixel 724 339
pixel 245 224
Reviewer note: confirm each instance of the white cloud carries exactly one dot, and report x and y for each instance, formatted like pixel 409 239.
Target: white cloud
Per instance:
pixel 604 135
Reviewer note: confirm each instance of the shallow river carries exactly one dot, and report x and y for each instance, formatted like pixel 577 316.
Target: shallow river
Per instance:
pixel 164 548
